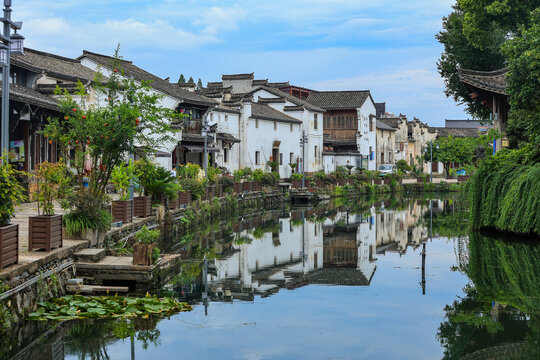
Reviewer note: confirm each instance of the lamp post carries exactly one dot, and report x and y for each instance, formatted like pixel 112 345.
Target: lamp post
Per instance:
pixel 431 161
pixel 10 44
pixel 303 142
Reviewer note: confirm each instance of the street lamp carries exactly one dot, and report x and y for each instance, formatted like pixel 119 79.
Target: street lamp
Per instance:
pixel 303 142
pixel 9 44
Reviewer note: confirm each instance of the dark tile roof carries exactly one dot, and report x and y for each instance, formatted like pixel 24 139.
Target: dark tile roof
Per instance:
pixel 156 82
pixel 492 81
pixel 187 85
pixel 392 121
pixel 53 65
pixel 259 82
pixel 382 126
pixel 338 276
pixel 227 137
pixel 224 108
pixel 456 132
pixel 265 112
pixel 27 95
pixel 49 89
pixel 279 84
pixel 467 123
pixel 214 85
pixel 338 100
pixel 333 142
pixel 290 98
pixel 293 108
pixel 271 100
pixel 238 77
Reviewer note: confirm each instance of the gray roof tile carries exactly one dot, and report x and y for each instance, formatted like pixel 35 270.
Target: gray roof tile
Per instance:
pixel 265 112
pixel 338 100
pixel 493 81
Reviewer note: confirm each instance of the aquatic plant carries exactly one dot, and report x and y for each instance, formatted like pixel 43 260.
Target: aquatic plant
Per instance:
pixel 88 307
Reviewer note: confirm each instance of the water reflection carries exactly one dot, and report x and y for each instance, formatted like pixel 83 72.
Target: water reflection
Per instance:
pixel 373 261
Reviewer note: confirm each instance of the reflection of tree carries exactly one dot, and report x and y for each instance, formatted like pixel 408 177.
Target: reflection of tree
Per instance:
pixel 500 313
pixel 89 339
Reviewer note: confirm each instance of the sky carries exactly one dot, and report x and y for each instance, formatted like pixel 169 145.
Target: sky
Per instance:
pixel 386 46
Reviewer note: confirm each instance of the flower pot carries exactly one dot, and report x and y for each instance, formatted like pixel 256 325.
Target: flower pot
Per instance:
pixel 142 254
pixel 246 186
pixel 184 197
pixel 122 211
pixel 319 184
pixel 142 206
pixel 174 204
pixel 256 186
pixel 9 245
pixel 387 181
pixel 44 232
pixel 238 187
pixel 463 178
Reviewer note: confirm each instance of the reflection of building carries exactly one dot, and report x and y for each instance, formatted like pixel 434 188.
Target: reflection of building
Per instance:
pixel 337 247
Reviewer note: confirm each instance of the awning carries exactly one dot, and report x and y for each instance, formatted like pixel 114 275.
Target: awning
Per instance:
pixel 199 149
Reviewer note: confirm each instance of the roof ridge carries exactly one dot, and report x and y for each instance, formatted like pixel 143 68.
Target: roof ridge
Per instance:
pixel 86 52
pixel 55 56
pixel 481 72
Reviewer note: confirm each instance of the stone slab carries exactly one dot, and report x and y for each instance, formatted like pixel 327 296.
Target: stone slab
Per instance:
pixel 90 255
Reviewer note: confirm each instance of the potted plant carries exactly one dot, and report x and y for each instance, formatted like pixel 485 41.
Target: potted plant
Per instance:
pixel 11 194
pixel 45 229
pixel 296 180
pixel 87 218
pixel 143 171
pixel 145 250
pixel 122 209
pixel 163 187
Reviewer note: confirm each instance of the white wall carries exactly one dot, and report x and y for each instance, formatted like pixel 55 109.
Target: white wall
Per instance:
pixel 227 122
pixel 367 140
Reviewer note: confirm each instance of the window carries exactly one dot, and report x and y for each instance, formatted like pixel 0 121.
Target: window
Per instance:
pixel 291 158
pixel 291 127
pixel 371 124
pixel 211 117
pixel 256 123
pixel 280 158
pixel 225 155
pixel 316 152
pixel 275 125
pixel 315 125
pixel 335 121
pixel 257 156
pixel 226 117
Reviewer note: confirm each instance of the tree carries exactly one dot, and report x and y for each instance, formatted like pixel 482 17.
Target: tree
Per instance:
pixel 181 79
pixel 125 114
pixel 523 53
pixel 403 166
pixel 191 81
pixel 459 52
pixel 199 84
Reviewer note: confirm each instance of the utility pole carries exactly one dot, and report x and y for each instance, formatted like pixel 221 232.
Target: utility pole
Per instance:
pixel 431 161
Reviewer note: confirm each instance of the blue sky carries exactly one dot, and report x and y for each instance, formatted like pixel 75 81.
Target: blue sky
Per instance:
pixel 386 46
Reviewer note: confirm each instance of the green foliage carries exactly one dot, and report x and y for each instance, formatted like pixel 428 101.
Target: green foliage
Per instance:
pixel 85 213
pixel 505 193
pixel 143 171
pixel 72 307
pixel 196 188
pixel 11 191
pixel 121 177
pixel 213 173
pixel 403 165
pixel 297 176
pixel 227 183
pixel 523 54
pixel 145 236
pixel 53 182
pixel 162 185
pixel 190 171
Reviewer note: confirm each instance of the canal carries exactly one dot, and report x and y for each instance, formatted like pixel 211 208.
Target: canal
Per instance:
pixel 375 279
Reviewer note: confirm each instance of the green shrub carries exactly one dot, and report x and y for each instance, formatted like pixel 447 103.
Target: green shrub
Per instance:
pixel 403 166
pixel 227 183
pixel 258 175
pixel 162 186
pixel 195 187
pixel 85 213
pixel 297 176
pixel 268 180
pixel 11 192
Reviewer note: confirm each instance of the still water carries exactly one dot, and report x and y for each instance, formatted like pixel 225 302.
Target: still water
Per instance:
pixel 371 280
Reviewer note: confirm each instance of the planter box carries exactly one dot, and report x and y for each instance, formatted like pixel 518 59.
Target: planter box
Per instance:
pixel 95 237
pixel 377 181
pixel 320 184
pixel 122 210
pixel 256 186
pixel 246 186
pixel 238 188
pixel 44 232
pixel 296 184
pixel 142 254
pixel 463 178
pixel 387 181
pixel 9 245
pixel 173 204
pixel 419 180
pixel 142 206
pixel 184 197
pixel 219 191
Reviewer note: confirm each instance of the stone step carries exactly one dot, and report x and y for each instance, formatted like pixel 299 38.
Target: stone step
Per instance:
pixel 90 255
pixel 92 289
